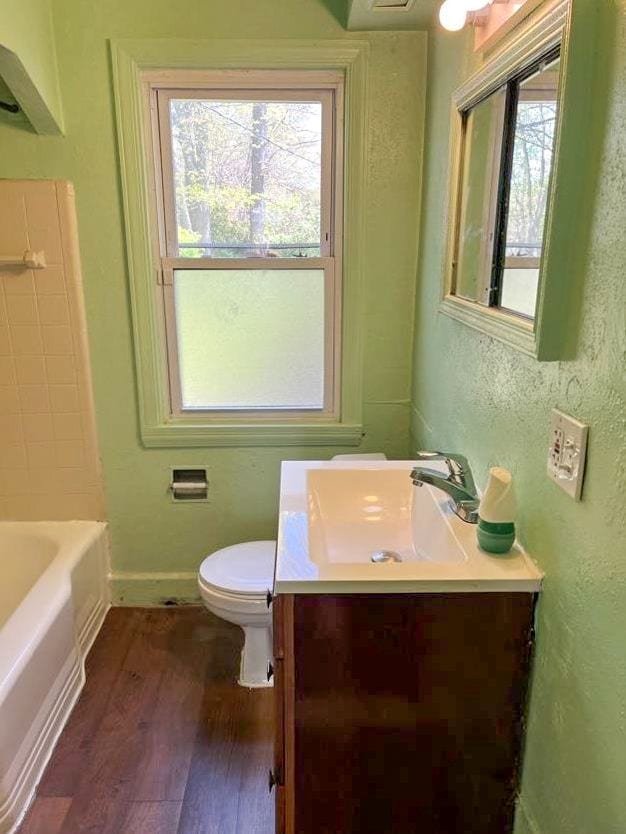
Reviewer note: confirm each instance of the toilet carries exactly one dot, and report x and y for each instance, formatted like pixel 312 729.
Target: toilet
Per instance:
pixel 233 584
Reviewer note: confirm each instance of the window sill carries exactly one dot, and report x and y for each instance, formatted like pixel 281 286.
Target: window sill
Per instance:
pixel 185 434
pixel 514 331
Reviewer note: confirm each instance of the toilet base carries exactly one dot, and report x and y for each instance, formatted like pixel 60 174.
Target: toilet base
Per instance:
pixel 255 657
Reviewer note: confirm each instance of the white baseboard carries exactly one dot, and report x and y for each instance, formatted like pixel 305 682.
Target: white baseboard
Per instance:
pixel 154 589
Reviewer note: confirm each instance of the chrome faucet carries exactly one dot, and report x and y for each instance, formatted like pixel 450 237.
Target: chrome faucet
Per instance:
pixel 458 483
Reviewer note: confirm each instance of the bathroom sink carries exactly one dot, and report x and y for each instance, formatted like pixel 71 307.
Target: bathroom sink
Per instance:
pixel 362 527
pixel 376 515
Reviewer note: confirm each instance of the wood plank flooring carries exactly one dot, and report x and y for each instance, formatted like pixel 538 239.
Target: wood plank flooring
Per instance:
pixel 162 740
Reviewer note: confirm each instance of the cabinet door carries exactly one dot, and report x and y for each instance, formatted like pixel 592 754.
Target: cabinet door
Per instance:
pixel 408 712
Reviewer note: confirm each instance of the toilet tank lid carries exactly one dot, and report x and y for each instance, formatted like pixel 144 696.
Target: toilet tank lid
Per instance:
pixel 362 456
pixel 246 568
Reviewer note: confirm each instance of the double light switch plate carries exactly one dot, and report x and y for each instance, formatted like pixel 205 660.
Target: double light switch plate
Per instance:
pixel 567 453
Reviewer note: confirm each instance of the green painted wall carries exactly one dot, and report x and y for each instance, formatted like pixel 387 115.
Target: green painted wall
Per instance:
pixel 150 534
pixel 475 395
pixel 26 28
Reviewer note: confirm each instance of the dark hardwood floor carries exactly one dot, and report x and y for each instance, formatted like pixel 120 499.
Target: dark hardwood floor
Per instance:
pixel 162 740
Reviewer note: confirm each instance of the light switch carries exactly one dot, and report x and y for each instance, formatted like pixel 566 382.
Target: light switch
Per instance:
pixel 567 453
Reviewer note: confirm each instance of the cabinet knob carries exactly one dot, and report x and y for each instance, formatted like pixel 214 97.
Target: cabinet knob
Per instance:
pixel 269 598
pixel 271 780
pixel 270 670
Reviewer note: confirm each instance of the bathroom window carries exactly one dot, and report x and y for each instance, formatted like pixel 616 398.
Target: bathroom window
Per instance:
pixel 248 181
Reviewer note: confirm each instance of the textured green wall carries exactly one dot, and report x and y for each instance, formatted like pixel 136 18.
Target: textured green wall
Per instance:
pixel 477 396
pixel 150 534
pixel 26 28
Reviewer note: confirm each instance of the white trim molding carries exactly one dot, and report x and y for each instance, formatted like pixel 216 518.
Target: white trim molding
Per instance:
pixel 526 44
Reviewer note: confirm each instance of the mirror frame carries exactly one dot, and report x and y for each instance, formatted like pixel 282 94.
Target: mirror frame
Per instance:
pixel 550 335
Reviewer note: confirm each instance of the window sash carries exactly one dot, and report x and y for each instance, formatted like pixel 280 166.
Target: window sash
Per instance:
pixel 166 158
pixel 515 94
pixel 326 87
pixel 514 262
pixel 331 337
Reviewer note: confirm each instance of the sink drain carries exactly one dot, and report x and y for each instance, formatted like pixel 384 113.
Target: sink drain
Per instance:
pixel 380 556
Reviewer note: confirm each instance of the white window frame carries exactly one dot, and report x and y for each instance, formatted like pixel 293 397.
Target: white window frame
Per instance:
pixel 296 85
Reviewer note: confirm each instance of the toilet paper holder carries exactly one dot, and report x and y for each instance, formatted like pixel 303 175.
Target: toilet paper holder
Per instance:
pixel 189 485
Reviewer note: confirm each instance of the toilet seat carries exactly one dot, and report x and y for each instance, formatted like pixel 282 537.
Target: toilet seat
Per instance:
pixel 241 571
pixel 233 607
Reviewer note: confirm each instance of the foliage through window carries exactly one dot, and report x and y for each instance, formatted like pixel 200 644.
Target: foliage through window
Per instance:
pixel 248 174
pixel 247 177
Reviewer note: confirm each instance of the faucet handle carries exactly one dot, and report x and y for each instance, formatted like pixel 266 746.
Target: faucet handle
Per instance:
pixel 457 464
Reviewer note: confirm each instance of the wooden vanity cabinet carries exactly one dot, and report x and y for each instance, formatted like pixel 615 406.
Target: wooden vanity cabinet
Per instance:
pixel 399 714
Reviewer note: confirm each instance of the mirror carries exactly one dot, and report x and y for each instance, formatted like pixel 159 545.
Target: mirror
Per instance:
pixel 507 152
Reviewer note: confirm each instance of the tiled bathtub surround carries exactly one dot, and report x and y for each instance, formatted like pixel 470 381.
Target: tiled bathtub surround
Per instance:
pixel 49 467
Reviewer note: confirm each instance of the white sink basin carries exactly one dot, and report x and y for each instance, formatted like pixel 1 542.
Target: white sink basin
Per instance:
pixel 335 515
pixel 356 513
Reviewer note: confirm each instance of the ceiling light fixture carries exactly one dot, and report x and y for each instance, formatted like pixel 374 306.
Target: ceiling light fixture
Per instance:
pixel 454 14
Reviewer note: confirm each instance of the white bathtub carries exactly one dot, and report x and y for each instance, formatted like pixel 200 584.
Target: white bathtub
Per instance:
pixel 53 598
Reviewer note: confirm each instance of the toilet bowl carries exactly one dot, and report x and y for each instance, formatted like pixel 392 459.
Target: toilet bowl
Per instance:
pixel 233 583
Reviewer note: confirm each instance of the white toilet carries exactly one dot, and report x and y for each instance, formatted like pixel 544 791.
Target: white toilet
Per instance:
pixel 234 583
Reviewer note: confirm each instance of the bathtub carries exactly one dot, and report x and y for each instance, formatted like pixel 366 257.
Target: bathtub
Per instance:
pixel 53 598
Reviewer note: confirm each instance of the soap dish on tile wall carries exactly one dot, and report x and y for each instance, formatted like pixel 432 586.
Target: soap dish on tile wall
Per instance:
pixel 27 260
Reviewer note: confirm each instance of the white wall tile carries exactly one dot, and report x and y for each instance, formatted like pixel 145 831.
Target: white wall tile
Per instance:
pixel 49 466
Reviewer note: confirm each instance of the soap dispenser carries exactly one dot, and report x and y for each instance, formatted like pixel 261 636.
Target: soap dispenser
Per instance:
pixel 496 513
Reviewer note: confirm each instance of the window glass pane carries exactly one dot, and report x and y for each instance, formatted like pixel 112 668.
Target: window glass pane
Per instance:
pixel 250 338
pixel 519 290
pixel 533 148
pixel 247 177
pixel 481 167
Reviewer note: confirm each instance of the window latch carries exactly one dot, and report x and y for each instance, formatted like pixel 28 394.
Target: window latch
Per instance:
pixel 165 277
pixel 492 296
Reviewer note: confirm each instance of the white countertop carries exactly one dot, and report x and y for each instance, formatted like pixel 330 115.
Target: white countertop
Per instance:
pixel 308 562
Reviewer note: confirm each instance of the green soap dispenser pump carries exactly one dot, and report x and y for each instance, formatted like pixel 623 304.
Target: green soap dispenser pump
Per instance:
pixel 496 513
